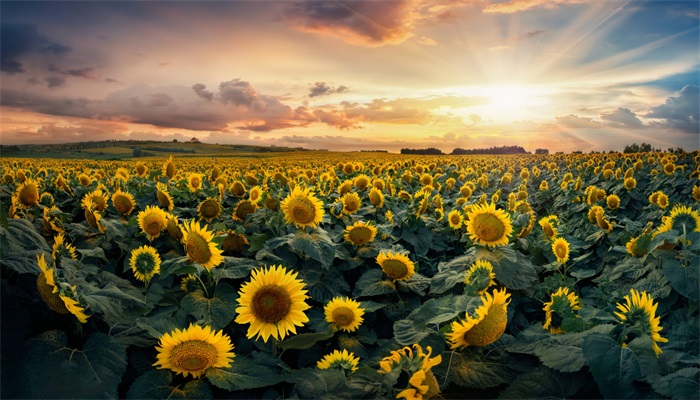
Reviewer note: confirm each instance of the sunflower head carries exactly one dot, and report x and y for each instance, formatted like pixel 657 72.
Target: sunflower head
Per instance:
pixel 60 297
pixel 485 325
pixel 455 219
pixel 593 212
pixel 682 219
pixel 549 226
pixel 416 366
pixel 351 203
pixel 194 350
pixel 302 208
pixel 209 209
pixel 141 169
pixel 696 193
pixel 190 284
pixel 169 169
pixel 360 233
pixel 28 193
pixel 561 311
pixel 164 197
pixel 123 202
pixel 361 182
pixel 342 360
pixel 639 246
pixel 237 189
pixel 234 242
pixel 344 314
pixel 488 226
pixel 396 266
pixel 173 227
pixel 194 181
pixel 602 221
pixel 99 199
pixel 560 248
pixel 52 221
pixel 244 208
pixel 479 277
pixel 272 302
pixel 152 221
pixel 255 195
pixel 200 246
pixel 630 183
pixel 376 197
pixel 638 316
pixel 613 201
pixel 61 249
pixel 145 263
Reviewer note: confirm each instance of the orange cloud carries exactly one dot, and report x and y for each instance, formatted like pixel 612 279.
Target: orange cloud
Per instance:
pixel 514 6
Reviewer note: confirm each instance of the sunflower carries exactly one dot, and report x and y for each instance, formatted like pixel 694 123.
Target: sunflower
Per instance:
pixel 630 183
pixel 173 227
pixel 480 277
pixel 243 209
pixel 28 193
pixel 145 263
pixel 272 302
pixel 376 197
pixel 209 209
pixel 637 247
pixel 46 199
pixel 255 195
pixel 237 189
pixel 194 350
pixel 164 197
pixel 122 174
pixel 190 284
pixel 361 182
pixel 602 221
pixel 99 199
pixel 662 200
pixel 561 306
pixel 194 181
pixel 396 266
pixel 62 249
pixel 200 246
pixel 485 326
pixel 682 219
pixel 234 242
pixel 59 297
pixel 560 248
pixel 345 187
pixel 696 193
pixel 84 179
pixel 613 201
pixel 123 202
pixel 548 225
pixel 141 169
pixel 593 212
pixel 344 361
pixel 416 365
pixel 344 314
pixel 351 203
pixel 488 226
pixel 639 313
pixel 169 169
pixel 544 186
pixel 93 217
pixel 302 208
pixel 152 221
pixel 360 233
pixel 455 219
pixel 51 220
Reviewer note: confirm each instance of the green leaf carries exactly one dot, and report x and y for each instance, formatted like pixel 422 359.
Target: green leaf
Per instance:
pixel 97 253
pixel 313 383
pixel 243 374
pixel 471 373
pixel 372 284
pixel 317 246
pixel 516 273
pixel 156 384
pixel 304 341
pixel 685 280
pixel 117 304
pixel 50 369
pixel 235 268
pixel 23 233
pixel 543 383
pixel 218 311
pixel 565 352
pixel 177 266
pixel 424 320
pixel 449 274
pixel 682 384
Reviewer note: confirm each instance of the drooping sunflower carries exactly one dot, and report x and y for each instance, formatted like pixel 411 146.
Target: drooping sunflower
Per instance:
pixel 169 169
pixel 59 298
pixel 344 314
pixel 164 197
pixel 681 219
pixel 122 174
pixel 351 203
pixel 243 209
pixel 273 303
pixel 234 242
pixel 396 266
pixel 99 199
pixel 485 326
pixel 199 245
pixel 51 220
pixel 639 311
pixel 145 263
pixel 152 221
pixel 455 219
pixel 342 360
pixel 480 277
pixel 190 284
pixel 696 193
pixel 417 365
pixel 560 248
pixel 602 221
pixel 637 247
pixel 28 193
pixel 237 188
pixel 141 169
pixel 488 226
pixel 592 212
pixel 562 305
pixel 62 249
pixel 209 209
pixel 194 350
pixel 361 233
pixel 173 227
pixel 92 216
pixel 302 208
pixel 123 202
pixel 376 197
pixel 549 226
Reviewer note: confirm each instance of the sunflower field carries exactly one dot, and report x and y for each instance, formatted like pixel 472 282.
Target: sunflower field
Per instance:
pixel 352 275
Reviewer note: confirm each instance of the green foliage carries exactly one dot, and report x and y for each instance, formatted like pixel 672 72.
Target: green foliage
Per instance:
pixel 243 374
pixel 157 384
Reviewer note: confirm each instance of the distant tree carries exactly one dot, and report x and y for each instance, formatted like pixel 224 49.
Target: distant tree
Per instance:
pixel 174 140
pixel 138 152
pixel 491 150
pixel 541 151
pixel 429 151
pixel 635 148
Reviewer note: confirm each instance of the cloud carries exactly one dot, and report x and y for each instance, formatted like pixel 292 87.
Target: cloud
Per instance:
pixel 622 118
pixel 426 41
pixel 514 6
pixel 20 40
pixel 237 92
pixel 322 89
pixel 680 111
pixel 200 90
pixel 54 82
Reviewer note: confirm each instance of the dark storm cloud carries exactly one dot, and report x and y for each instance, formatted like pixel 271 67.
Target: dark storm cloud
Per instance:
pixel 201 90
pixel 680 111
pixel 64 106
pixel 53 82
pixel 20 40
pixel 322 88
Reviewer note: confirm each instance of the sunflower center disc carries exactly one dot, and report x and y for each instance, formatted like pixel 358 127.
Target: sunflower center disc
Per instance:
pixel 53 300
pixel 350 205
pixel 29 195
pixel 163 199
pixel 244 209
pixel 99 203
pixel 454 220
pixel 210 209
pixel 360 235
pixel 343 316
pixel 488 227
pixel 121 203
pixel 548 230
pixel 489 329
pixel 153 224
pixel 195 182
pixel 303 211
pixel 271 303
pixel 395 269
pixel 561 251
pixel 193 355
pixel 198 248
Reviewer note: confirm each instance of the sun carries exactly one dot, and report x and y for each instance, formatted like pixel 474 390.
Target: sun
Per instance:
pixel 509 102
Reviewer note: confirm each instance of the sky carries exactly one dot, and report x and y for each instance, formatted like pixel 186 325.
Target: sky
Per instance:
pixel 565 75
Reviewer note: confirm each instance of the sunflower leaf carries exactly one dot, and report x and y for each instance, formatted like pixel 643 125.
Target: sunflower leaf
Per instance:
pixel 564 352
pixel 317 246
pixel 543 383
pixel 450 273
pixel 156 384
pixel 235 268
pixel 685 280
pixel 682 384
pixel 304 341
pixel 319 383
pixel 372 284
pixel 217 311
pixel 243 374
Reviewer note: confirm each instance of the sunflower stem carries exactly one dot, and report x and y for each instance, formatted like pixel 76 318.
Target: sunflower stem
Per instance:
pixel 206 292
